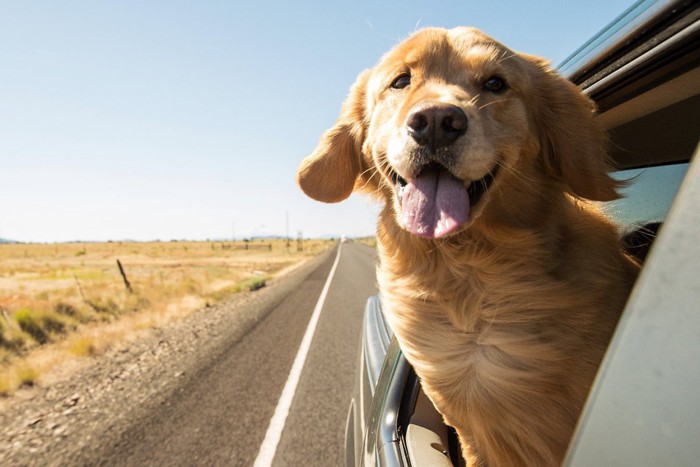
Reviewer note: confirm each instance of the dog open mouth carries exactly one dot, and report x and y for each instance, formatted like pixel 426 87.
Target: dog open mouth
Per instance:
pixel 435 203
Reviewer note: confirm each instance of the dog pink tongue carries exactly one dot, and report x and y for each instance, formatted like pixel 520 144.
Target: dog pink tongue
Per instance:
pixel 434 204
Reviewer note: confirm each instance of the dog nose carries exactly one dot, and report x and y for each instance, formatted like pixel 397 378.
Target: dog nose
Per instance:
pixel 436 124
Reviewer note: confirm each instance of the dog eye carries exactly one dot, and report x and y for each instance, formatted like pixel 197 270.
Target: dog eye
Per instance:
pixel 401 81
pixel 495 84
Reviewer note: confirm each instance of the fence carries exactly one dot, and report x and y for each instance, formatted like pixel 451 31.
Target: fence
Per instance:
pixel 248 246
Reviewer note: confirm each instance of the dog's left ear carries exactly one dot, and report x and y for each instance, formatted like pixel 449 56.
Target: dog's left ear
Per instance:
pixel 330 173
pixel 572 142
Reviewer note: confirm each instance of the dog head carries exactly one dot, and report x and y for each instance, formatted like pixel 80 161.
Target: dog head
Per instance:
pixel 451 124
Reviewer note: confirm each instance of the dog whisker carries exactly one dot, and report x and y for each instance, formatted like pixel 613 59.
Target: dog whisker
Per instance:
pixel 380 171
pixel 417 24
pixel 494 102
pixel 524 179
pixel 373 172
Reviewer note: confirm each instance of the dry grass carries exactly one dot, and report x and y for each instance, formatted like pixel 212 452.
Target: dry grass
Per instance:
pixel 71 298
pixel 369 241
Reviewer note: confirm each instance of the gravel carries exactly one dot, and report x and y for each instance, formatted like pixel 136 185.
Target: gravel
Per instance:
pixel 63 423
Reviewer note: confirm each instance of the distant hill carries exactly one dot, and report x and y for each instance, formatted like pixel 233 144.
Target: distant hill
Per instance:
pixel 4 240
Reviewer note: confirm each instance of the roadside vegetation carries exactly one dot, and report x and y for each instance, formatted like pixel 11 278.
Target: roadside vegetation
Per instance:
pixel 369 241
pixel 75 299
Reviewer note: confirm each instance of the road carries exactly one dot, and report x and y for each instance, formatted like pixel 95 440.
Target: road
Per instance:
pixel 221 414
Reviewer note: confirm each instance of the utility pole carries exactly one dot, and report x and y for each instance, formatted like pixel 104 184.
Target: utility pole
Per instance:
pixel 287 218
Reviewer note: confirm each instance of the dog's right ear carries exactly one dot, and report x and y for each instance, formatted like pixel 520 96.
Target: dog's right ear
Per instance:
pixel 330 172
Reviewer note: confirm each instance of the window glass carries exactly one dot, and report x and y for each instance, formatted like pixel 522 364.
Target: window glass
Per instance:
pixel 648 196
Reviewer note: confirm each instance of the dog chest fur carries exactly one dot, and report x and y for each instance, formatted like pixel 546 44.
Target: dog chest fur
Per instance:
pixel 511 342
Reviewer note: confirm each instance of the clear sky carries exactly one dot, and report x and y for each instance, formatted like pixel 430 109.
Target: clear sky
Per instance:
pixel 187 119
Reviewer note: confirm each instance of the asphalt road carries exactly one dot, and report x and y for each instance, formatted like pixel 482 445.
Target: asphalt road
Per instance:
pixel 220 415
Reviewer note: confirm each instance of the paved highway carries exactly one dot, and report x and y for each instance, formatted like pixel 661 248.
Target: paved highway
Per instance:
pixel 221 414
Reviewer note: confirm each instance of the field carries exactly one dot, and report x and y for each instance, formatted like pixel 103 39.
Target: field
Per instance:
pixel 73 298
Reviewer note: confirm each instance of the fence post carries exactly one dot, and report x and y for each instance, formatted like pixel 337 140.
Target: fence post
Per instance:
pixel 126 281
pixel 80 288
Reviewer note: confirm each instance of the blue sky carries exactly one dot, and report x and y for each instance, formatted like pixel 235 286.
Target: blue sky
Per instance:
pixel 187 119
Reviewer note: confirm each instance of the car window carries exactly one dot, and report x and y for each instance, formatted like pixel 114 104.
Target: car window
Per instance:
pixel 648 196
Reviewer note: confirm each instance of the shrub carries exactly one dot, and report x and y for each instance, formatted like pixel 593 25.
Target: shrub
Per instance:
pixel 27 376
pixel 3 339
pixel 135 302
pixel 53 323
pixel 66 309
pixel 84 347
pixel 104 305
pixel 11 339
pixel 255 283
pixel 252 284
pixel 5 385
pixel 41 324
pixel 29 323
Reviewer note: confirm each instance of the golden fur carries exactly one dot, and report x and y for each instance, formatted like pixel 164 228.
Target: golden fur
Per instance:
pixel 505 320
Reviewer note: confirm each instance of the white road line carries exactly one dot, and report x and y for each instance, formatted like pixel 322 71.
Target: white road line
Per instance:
pixel 268 448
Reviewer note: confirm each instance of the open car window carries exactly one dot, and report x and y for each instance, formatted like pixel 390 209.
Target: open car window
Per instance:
pixel 648 196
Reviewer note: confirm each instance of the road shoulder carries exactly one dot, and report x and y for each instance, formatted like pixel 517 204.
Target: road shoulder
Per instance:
pixel 100 401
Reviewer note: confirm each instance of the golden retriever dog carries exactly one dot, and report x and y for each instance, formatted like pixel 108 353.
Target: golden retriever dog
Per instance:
pixel 502 283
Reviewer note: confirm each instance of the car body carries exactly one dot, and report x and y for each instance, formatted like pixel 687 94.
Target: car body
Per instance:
pixel 643 71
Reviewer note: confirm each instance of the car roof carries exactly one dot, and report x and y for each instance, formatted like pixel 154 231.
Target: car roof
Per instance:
pixel 642 72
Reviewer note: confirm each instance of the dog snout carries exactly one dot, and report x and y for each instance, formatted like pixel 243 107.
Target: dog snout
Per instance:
pixel 436 125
